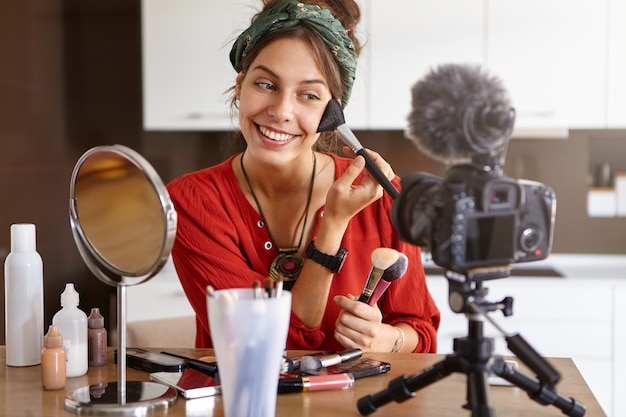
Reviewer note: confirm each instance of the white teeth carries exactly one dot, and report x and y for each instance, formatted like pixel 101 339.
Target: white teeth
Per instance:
pixel 281 137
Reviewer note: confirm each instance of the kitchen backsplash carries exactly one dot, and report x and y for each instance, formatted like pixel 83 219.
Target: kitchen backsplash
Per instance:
pixel 563 164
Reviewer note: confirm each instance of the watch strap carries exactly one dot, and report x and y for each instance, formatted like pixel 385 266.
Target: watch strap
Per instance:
pixel 332 262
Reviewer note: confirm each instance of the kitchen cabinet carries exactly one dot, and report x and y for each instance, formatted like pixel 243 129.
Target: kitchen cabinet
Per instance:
pixel 186 67
pixel 186 70
pixel 616 102
pixel 550 55
pixel 559 317
pixel 561 61
pixel 410 38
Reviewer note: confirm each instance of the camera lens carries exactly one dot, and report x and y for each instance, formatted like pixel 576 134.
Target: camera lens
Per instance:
pixel 530 239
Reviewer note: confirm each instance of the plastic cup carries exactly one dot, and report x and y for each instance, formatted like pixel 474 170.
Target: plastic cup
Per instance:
pixel 249 337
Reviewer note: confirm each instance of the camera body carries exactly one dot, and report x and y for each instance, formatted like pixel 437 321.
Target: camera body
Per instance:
pixel 476 218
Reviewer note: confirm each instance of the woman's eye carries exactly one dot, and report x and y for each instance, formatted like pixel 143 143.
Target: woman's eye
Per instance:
pixel 311 96
pixel 266 86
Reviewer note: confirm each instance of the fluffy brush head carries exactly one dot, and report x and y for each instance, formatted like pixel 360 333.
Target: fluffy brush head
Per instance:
pixel 397 270
pixel 383 258
pixel 310 364
pixel 332 118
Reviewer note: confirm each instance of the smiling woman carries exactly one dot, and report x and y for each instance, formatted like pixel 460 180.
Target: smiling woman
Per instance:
pixel 287 208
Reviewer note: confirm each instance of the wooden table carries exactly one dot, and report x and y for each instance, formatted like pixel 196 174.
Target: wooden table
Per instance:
pixel 21 393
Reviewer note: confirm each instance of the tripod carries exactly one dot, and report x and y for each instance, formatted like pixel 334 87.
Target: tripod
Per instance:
pixel 473 356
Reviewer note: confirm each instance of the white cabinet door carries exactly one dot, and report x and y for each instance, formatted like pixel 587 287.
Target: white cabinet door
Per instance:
pixel 551 55
pixel 409 39
pixel 186 69
pixel 617 65
pixel 186 66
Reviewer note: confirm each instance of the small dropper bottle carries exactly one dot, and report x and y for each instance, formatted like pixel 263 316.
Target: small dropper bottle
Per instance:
pixel 96 339
pixel 72 323
pixel 53 360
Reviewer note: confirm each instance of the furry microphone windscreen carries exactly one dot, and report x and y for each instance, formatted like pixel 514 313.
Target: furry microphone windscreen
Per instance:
pixel 459 111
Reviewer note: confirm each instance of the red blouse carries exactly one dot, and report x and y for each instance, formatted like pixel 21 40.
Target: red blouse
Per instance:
pixel 220 241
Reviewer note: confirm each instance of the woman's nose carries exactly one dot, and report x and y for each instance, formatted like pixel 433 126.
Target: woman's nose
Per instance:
pixel 282 108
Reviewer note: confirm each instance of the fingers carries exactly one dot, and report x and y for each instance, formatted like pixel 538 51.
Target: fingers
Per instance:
pixel 358 324
pixel 384 166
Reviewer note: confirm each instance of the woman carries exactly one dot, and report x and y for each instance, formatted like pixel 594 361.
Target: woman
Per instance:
pixel 277 207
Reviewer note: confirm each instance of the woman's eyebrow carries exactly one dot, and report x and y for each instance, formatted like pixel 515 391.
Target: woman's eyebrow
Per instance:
pixel 273 74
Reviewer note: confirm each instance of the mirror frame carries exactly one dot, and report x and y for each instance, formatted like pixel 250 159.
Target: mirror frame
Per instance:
pixel 99 265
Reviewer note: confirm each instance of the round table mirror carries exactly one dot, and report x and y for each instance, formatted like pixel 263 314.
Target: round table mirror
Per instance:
pixel 124 225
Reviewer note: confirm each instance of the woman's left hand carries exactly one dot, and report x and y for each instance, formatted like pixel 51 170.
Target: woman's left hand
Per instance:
pixel 360 326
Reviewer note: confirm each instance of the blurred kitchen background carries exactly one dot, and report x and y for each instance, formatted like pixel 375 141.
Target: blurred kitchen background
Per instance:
pixel 72 77
pixel 147 74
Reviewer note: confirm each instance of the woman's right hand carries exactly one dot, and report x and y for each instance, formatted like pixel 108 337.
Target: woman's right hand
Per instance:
pixel 345 198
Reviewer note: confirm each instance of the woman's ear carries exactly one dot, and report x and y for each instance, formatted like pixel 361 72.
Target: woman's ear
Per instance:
pixel 238 82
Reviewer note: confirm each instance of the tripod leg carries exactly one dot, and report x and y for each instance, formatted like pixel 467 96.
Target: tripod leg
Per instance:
pixel 478 393
pixel 538 391
pixel 403 387
pixel 477 350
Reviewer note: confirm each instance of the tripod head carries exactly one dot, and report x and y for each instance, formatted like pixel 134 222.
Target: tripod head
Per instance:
pixel 467 289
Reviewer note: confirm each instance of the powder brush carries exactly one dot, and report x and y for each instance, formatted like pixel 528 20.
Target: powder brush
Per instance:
pixel 313 364
pixel 333 119
pixel 382 258
pixel 394 272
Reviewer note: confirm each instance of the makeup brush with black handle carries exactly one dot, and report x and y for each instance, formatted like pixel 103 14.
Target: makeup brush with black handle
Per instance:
pixel 333 119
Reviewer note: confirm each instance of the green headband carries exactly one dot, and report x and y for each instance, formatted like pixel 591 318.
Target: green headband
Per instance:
pixel 290 13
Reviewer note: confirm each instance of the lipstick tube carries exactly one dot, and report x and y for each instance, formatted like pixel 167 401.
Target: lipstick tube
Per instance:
pixel 315 383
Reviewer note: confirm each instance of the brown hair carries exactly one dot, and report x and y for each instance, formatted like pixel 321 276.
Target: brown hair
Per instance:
pixel 349 14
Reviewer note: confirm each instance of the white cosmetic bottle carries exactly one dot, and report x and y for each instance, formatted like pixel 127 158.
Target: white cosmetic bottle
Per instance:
pixel 72 324
pixel 23 303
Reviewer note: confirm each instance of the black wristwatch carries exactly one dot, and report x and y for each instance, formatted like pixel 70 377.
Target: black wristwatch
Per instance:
pixel 334 263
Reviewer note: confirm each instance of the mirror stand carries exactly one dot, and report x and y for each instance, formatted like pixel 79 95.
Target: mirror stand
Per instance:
pixel 120 398
pixel 124 226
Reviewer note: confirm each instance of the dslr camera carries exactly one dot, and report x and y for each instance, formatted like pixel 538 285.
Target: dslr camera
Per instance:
pixel 474 219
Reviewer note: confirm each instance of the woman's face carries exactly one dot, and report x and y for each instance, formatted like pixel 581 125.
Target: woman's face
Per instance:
pixel 281 101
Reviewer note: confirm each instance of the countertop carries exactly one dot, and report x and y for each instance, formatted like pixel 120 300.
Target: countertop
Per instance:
pixel 561 265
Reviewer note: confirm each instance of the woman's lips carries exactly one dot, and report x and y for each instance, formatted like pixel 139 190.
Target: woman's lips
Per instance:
pixel 274 135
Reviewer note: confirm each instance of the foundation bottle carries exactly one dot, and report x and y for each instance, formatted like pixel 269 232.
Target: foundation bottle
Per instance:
pixel 96 339
pixel 53 360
